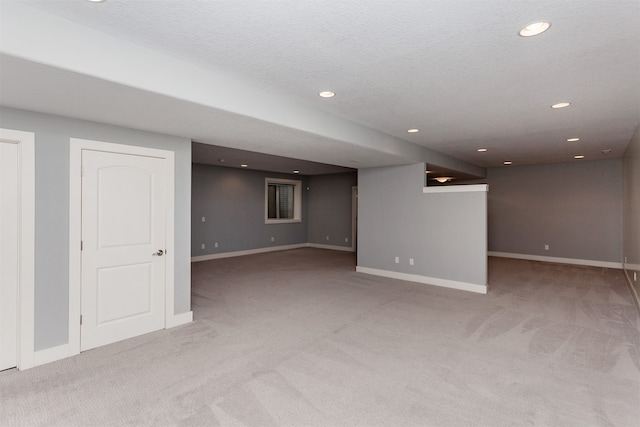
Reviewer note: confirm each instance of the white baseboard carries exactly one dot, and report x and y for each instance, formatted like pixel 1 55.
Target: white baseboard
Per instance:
pixel 247 252
pixel 330 247
pixel 52 354
pixel 631 267
pixel 634 295
pixel 269 249
pixel 463 286
pixel 180 319
pixel 574 261
pixel 63 351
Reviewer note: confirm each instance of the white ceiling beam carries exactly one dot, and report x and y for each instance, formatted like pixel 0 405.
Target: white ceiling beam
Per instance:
pixel 42 38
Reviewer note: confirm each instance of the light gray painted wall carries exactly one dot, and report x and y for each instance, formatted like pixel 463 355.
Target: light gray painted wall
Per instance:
pixel 52 135
pixel 330 208
pixel 232 202
pixel 631 208
pixel 446 233
pixel 575 208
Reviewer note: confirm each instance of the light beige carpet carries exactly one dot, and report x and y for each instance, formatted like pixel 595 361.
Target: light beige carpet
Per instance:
pixel 298 338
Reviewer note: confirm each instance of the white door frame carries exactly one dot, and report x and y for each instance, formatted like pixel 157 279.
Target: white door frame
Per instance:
pixel 26 237
pixel 75 228
pixel 354 218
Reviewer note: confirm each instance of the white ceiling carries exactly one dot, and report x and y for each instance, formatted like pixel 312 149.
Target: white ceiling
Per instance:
pixel 455 69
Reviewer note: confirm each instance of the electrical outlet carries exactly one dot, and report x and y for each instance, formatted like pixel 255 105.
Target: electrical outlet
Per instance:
pixel 397 260
pixel 215 245
pixel 410 261
pixel 203 246
pixel 546 247
pixel 203 219
pixel 273 239
pixel 327 237
pixel 346 240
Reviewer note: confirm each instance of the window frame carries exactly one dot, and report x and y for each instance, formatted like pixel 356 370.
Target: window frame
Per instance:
pixel 297 200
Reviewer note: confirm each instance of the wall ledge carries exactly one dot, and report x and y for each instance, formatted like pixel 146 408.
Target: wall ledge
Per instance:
pixel 558 260
pixel 457 188
pixel 434 281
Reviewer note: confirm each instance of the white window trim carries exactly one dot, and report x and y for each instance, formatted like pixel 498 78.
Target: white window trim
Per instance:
pixel 297 200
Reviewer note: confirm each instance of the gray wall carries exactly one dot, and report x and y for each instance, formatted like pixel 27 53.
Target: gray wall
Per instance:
pixel 330 207
pixel 575 208
pixel 631 208
pixel 445 233
pixel 52 135
pixel 232 202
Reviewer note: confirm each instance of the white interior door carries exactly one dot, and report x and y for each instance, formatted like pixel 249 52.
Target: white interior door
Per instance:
pixel 123 245
pixel 9 249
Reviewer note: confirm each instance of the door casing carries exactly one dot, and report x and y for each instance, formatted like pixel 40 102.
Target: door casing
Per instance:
pixel 9 256
pixel 25 321
pixel 75 228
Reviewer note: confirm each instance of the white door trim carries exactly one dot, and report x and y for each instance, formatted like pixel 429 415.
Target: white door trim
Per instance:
pixel 354 218
pixel 75 228
pixel 26 285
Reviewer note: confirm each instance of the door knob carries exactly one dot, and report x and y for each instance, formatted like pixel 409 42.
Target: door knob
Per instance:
pixel 159 253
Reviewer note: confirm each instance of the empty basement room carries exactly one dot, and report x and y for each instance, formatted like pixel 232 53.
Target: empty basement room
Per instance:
pixel 388 213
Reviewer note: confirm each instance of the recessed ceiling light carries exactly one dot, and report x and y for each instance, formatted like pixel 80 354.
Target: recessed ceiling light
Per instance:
pixel 327 94
pixel 96 1
pixel 221 160
pixel 296 171
pixel 244 166
pixel 534 29
pixel 607 151
pixel 573 139
pixel 561 105
pixel 482 150
pixel 579 156
pixel 507 162
pixel 413 130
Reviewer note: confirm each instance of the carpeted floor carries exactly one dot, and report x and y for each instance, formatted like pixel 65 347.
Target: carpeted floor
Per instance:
pixel 297 338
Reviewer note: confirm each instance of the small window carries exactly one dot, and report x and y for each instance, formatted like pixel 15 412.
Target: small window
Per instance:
pixel 282 200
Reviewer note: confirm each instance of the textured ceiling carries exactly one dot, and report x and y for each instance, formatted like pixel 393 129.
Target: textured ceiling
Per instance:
pixel 455 69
